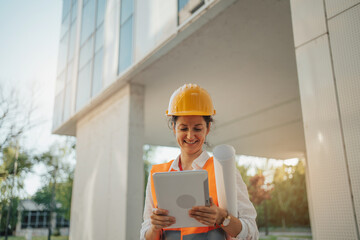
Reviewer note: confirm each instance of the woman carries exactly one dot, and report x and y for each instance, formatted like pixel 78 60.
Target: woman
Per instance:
pixel 191 110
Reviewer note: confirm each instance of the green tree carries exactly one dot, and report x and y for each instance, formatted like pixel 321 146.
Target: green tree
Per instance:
pixel 62 197
pixel 13 213
pixel 289 206
pixel 244 173
pixel 260 192
pixel 149 151
pixel 58 170
pixel 15 163
pixel 16 116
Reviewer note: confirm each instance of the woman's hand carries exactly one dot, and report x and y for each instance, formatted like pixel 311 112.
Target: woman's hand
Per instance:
pixel 160 219
pixel 208 215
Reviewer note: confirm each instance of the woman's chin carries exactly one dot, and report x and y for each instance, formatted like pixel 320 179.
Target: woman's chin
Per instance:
pixel 190 150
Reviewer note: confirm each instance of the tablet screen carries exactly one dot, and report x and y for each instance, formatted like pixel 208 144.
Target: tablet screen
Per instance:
pixel 178 192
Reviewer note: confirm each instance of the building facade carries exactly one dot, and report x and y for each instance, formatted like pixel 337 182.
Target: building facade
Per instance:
pixel 284 77
pixel 34 220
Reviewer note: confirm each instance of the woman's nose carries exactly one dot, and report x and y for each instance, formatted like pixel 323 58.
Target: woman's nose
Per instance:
pixel 190 135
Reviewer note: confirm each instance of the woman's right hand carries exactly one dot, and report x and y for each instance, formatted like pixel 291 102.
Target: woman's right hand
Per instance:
pixel 160 219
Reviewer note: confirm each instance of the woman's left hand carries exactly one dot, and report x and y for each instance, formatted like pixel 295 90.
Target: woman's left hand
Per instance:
pixel 208 215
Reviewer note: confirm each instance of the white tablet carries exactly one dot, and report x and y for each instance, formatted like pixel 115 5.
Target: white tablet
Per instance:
pixel 178 192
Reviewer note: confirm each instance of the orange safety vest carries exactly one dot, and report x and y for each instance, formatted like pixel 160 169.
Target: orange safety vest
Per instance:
pixel 193 233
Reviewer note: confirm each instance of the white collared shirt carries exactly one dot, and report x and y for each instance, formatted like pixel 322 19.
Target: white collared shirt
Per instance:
pixel 246 210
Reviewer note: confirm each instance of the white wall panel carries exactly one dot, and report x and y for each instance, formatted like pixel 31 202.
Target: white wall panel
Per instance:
pixel 333 216
pixel 344 31
pixel 109 160
pixel 334 7
pixel 308 19
pixel 155 22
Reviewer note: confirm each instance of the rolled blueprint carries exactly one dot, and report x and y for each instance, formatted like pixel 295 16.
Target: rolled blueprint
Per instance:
pixel 224 164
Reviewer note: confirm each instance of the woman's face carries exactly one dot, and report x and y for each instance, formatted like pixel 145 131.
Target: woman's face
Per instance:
pixel 190 132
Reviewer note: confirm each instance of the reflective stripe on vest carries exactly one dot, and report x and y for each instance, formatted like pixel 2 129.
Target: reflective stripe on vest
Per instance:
pixel 216 234
pixel 196 233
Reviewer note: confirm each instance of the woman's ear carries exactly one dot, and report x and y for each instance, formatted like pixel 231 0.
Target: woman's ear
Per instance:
pixel 208 128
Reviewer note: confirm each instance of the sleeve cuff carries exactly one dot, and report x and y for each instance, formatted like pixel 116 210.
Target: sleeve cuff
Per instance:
pixel 244 231
pixel 144 228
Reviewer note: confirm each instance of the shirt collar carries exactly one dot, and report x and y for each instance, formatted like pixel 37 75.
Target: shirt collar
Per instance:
pixel 197 164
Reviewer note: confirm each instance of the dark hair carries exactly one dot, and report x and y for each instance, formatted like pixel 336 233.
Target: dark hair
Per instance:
pixel 173 119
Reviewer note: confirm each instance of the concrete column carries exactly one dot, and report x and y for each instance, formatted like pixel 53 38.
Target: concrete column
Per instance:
pixel 107 199
pixel 326 36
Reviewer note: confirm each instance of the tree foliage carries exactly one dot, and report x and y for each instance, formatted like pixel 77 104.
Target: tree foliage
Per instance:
pixel 149 151
pixel 258 190
pixel 288 205
pixel 3 215
pixel 289 199
pixel 15 163
pixel 15 116
pixel 56 193
pixel 63 195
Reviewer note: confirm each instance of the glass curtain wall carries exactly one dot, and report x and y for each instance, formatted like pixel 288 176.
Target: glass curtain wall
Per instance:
pixel 65 62
pixel 126 35
pixel 91 51
pixel 187 7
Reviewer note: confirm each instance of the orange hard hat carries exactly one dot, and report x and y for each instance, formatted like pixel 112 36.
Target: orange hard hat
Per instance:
pixel 190 99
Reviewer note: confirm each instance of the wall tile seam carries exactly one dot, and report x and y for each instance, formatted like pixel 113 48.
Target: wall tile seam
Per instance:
pixel 309 192
pixel 315 221
pixel 135 94
pixel 341 12
pixel 94 111
pixel 341 122
pixel 311 40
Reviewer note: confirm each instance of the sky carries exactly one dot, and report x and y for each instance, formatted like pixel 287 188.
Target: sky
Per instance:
pixel 29 39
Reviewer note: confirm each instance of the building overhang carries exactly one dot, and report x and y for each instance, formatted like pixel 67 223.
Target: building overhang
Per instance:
pixel 242 52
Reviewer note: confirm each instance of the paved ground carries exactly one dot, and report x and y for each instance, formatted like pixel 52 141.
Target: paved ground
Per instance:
pixel 279 235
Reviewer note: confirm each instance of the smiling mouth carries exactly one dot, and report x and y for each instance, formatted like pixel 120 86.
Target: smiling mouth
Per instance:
pixel 191 142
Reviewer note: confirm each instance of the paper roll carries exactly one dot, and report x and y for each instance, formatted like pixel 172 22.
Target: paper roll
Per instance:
pixel 224 163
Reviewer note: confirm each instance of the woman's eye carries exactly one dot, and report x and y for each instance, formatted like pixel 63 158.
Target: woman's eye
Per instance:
pixel 183 129
pixel 198 129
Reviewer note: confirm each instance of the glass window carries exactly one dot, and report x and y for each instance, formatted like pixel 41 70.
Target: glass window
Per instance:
pixel 181 4
pixel 24 219
pixel 187 7
pixel 125 51
pixel 74 11
pixel 72 41
pixel 67 101
pixel 63 48
pixel 60 83
pixel 58 109
pixel 65 26
pixel 69 72
pixel 83 86
pixel 46 219
pixel 101 5
pixel 88 21
pixel 85 2
pixel 97 76
pixel 127 9
pixel 86 52
pixel 66 8
pixel 99 41
pixel 68 90
pixel 61 221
